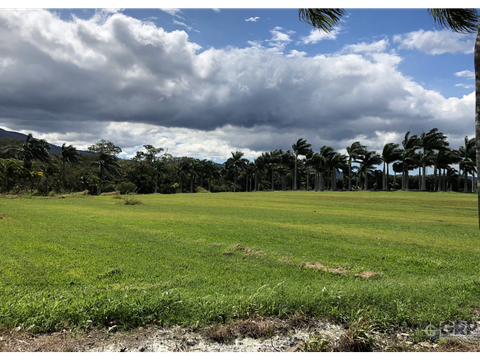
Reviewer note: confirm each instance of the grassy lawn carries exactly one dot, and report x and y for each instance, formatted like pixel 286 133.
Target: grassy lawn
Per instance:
pixel 92 261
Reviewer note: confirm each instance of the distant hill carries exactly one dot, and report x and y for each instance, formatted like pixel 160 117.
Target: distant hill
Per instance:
pixel 54 149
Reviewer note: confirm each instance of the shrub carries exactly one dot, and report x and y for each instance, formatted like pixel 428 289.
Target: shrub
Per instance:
pixel 200 189
pixel 129 199
pixel 108 187
pixel 126 187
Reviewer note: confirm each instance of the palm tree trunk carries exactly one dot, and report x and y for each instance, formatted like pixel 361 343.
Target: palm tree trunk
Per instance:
pixel 366 180
pixel 435 185
pixel 235 180
pixel 424 179
pixel 384 185
pixel 246 182
pixel 477 104
pixel 295 177
pixel 465 183
pixel 272 178
pixel 420 179
pixel 256 181
pixel 349 175
pixel 394 180
pixel 388 179
pixel 308 178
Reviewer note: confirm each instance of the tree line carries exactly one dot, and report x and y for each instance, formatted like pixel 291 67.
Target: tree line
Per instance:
pixel 29 166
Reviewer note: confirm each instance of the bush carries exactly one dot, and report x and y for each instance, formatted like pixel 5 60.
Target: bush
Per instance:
pixel 108 187
pixel 126 187
pixel 129 199
pixel 200 189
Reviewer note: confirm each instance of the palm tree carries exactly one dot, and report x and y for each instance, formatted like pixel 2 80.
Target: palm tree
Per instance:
pixel 183 170
pixel 368 160
pixel 337 161
pixel 444 158
pixel 274 158
pixel 410 145
pixel 107 162
pixel 69 154
pixel 353 152
pixel 299 148
pixel 390 153
pixel 308 157
pixel 33 149
pixel 428 142
pixel 322 161
pixel 236 162
pixel 467 163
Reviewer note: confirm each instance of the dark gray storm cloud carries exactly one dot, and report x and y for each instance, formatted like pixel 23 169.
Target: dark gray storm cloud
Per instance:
pixel 82 75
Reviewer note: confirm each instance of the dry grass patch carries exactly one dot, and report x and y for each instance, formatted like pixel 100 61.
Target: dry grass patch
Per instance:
pixel 368 274
pixel 285 260
pixel 337 270
pixel 251 252
pixel 239 247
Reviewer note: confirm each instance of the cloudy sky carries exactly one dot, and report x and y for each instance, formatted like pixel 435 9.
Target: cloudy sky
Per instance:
pixel 206 82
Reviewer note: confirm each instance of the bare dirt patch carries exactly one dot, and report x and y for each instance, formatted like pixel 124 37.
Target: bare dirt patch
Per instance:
pixel 367 274
pixel 338 270
pixel 295 334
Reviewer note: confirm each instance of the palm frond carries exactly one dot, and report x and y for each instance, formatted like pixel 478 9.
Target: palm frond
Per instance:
pixel 459 20
pixel 322 19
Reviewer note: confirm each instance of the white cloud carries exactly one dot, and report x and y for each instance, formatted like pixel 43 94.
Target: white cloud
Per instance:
pixel 216 10
pixel 295 53
pixel 173 12
pixel 466 86
pixel 280 38
pixel 131 82
pixel 254 19
pixel 182 24
pixel 375 47
pixel 317 36
pixel 466 73
pixel 436 42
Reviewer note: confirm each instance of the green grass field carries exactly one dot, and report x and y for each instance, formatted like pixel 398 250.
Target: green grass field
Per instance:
pixel 91 261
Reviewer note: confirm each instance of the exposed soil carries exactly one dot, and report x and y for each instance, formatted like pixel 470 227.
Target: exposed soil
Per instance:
pixel 252 335
pixel 339 270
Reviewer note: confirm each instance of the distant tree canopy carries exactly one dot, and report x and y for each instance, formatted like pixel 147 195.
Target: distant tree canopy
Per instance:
pixel 154 170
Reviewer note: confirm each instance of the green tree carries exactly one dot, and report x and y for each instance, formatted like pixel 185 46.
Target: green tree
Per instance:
pixel 353 152
pixel 410 145
pixel 236 163
pixel 467 163
pixel 107 161
pixel 390 153
pixel 299 148
pixel 368 159
pixel 428 142
pixel 69 154
pixel 152 158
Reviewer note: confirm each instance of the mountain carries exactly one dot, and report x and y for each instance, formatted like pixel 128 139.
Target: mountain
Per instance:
pixel 54 149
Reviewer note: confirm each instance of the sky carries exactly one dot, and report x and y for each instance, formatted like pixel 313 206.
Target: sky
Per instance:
pixel 207 82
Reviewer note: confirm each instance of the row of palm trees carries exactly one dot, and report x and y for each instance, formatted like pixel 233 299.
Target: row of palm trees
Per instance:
pixel 430 149
pixel 300 167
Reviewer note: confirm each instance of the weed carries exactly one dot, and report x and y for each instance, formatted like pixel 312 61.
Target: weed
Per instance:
pixel 219 333
pixel 316 343
pixel 357 338
pixel 129 199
